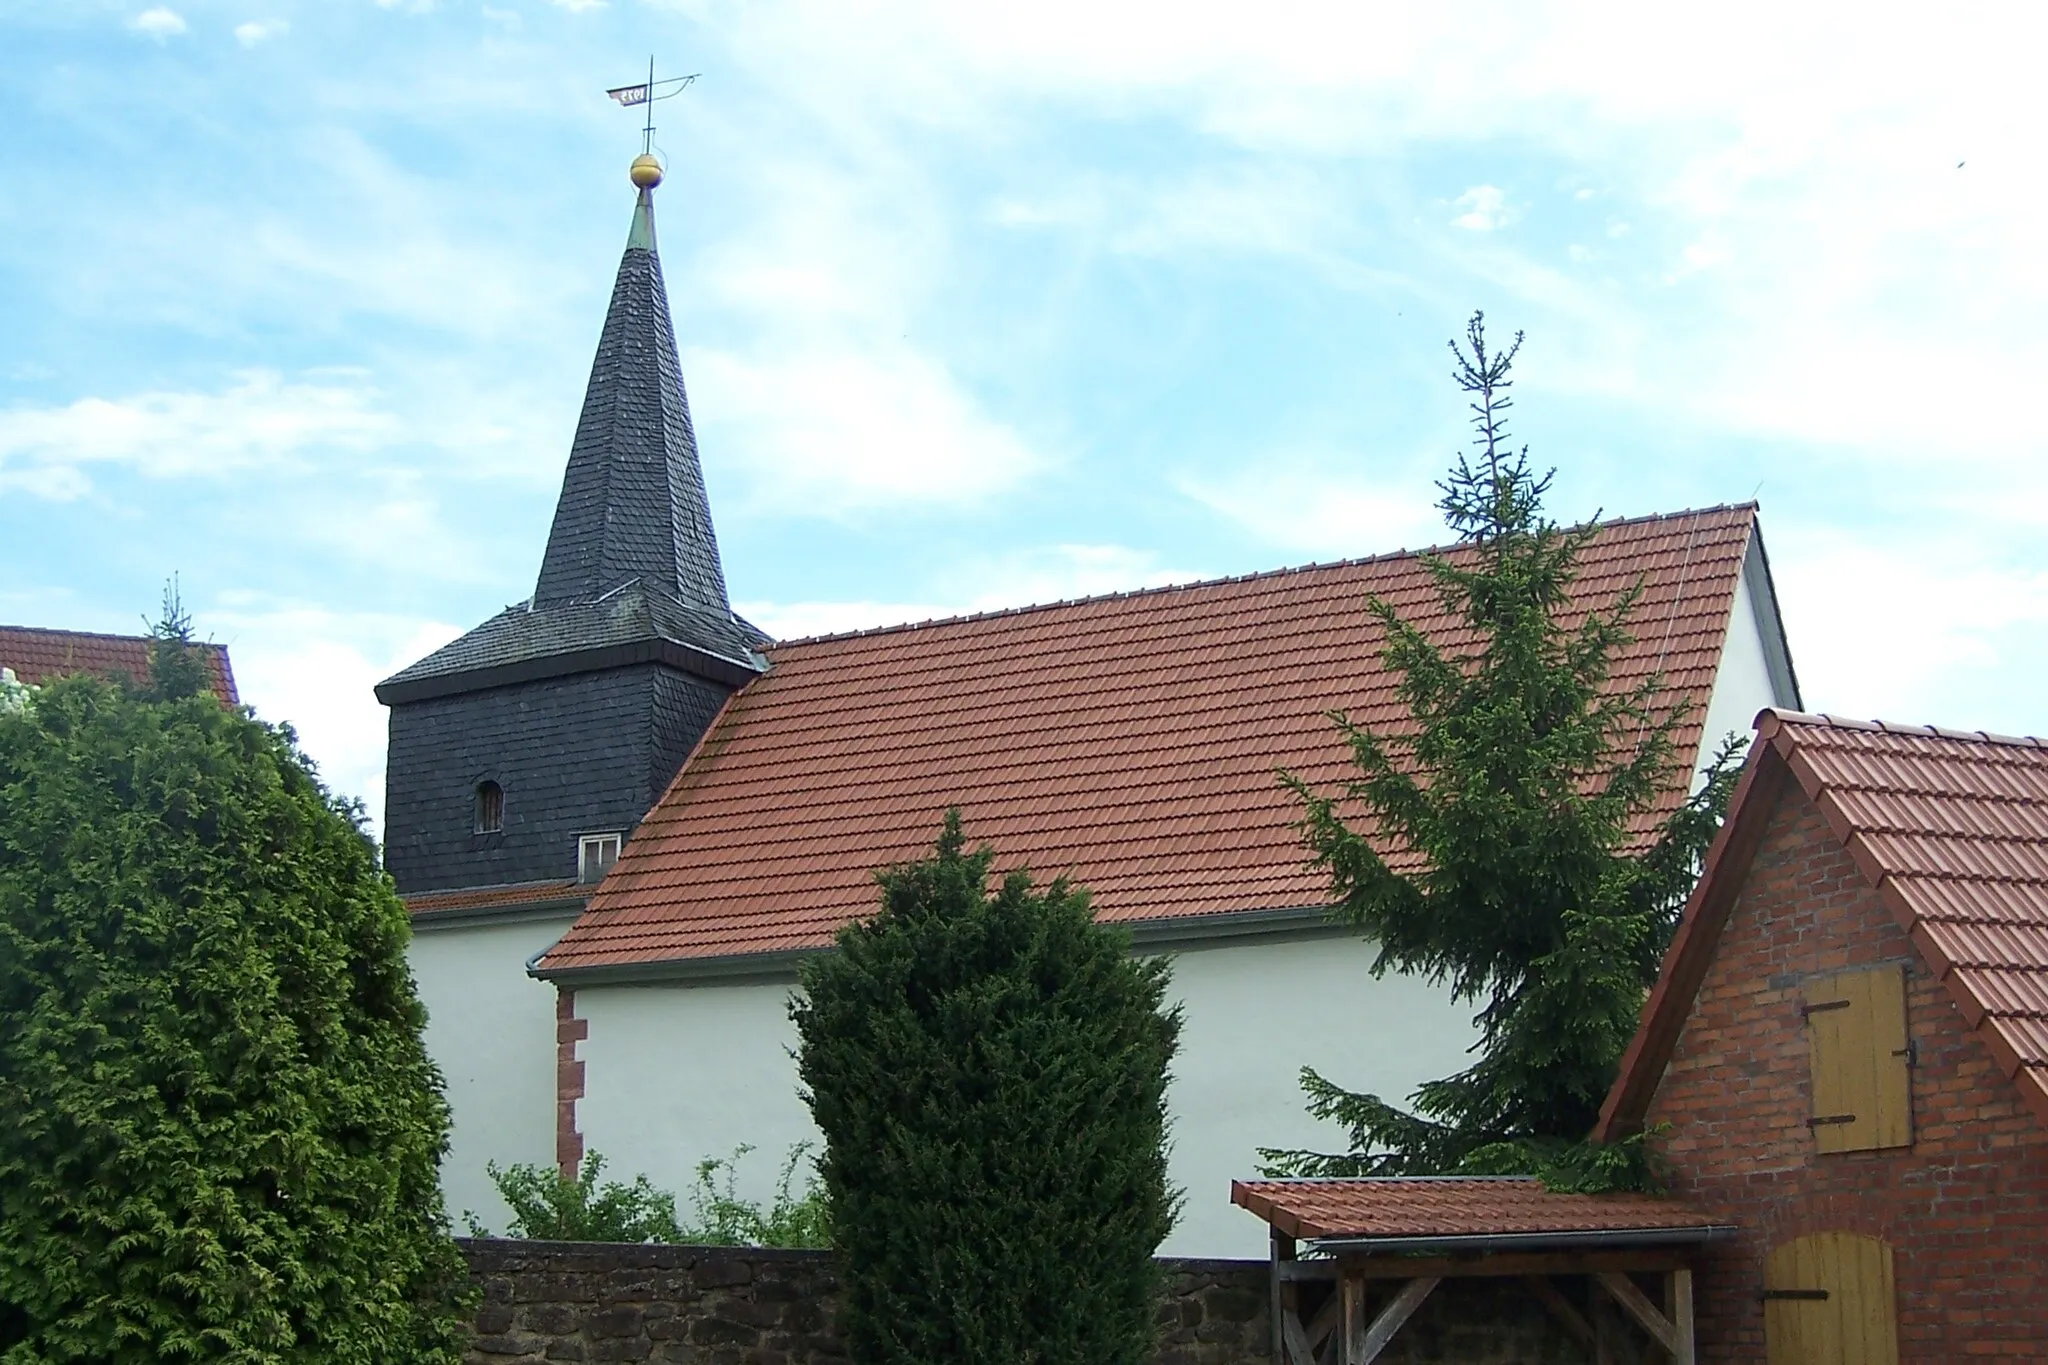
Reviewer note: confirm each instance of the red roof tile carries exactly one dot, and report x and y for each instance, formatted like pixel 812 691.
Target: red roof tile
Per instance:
pixel 36 656
pixel 1452 1207
pixel 1950 826
pixel 1131 741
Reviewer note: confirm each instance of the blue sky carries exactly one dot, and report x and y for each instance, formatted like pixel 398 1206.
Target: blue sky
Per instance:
pixel 986 307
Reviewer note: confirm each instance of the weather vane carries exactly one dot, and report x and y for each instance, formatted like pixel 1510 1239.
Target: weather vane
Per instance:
pixel 630 95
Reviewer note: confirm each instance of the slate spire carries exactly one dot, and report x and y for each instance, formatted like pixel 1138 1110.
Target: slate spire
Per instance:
pixel 633 503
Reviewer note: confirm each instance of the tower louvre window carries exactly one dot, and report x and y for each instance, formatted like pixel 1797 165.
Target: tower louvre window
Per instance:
pixel 595 854
pixel 490 808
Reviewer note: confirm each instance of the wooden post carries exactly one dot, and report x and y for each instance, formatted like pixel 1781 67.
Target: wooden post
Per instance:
pixel 1638 1306
pixel 1282 1247
pixel 1678 1298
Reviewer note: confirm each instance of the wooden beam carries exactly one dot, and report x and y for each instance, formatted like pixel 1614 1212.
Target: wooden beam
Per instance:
pixel 1642 1260
pixel 1560 1308
pixel 1325 1320
pixel 1376 1337
pixel 1678 1295
pixel 1295 1340
pixel 1638 1306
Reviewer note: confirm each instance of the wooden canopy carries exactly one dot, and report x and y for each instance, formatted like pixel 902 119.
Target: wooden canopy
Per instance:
pixel 1423 1230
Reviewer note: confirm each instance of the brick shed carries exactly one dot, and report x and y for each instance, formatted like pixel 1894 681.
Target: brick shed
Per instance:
pixel 1847 1050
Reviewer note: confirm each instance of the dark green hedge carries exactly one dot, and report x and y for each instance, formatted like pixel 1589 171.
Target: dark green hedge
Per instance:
pixel 219 1130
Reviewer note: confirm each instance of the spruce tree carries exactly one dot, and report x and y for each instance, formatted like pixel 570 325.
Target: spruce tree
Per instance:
pixel 989 1073
pixel 1529 787
pixel 219 1129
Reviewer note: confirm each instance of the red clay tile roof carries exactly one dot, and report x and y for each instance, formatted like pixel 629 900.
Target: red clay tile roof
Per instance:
pixel 36 656
pixel 1451 1207
pixel 1951 828
pixel 511 895
pixel 1130 740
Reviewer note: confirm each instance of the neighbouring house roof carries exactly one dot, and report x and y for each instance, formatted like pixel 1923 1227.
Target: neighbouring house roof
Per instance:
pixel 1416 1212
pixel 631 573
pixel 1131 741
pixel 38 655
pixel 1951 829
pixel 488 901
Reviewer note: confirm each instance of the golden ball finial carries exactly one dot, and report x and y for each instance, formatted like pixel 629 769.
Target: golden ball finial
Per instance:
pixel 646 171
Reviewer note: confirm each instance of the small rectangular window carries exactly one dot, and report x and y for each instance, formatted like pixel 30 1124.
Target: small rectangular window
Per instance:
pixel 1856 1033
pixel 595 854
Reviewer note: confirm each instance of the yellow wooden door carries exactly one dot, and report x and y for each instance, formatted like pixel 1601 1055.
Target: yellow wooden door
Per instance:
pixel 1828 1300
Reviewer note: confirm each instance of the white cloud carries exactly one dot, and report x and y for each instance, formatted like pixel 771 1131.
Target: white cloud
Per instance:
pixel 1054 573
pixel 1485 208
pixel 314 668
pixel 260 31
pixel 1318 509
pixel 1915 627
pixel 578 6
pixel 259 420
pixel 836 428
pixel 158 22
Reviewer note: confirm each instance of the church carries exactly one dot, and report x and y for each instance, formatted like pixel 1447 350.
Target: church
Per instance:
pixel 621 815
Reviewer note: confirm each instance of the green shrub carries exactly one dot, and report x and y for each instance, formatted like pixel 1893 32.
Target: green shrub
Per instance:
pixel 547 1207
pixel 219 1129
pixel 989 1073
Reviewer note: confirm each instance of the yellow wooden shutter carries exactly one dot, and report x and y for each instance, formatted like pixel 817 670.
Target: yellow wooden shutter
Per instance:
pixel 1856 1026
pixel 1829 1300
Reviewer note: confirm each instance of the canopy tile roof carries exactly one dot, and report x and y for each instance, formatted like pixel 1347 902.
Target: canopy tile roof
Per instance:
pixel 1131 741
pixel 1431 1208
pixel 38 655
pixel 1950 827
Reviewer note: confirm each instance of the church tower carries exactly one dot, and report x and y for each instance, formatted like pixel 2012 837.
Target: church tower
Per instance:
pixel 527 750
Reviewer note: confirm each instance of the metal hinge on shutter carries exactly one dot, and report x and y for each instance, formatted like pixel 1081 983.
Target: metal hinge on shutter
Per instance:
pixel 1807 1011
pixel 1805 1294
pixel 1826 1119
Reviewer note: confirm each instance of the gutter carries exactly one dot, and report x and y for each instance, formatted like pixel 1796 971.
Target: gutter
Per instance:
pixel 1482 1243
pixel 1147 936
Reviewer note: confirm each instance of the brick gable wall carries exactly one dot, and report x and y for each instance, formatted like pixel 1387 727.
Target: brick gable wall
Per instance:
pixel 1965 1209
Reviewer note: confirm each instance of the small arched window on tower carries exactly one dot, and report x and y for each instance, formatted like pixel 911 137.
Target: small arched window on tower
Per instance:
pixel 490 807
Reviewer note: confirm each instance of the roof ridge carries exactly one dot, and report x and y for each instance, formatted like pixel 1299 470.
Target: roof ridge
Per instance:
pixel 100 635
pixel 1823 721
pixel 997 613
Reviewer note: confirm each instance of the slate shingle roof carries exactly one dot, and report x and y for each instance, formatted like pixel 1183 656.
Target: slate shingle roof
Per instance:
pixel 1452 1207
pixel 37 655
pixel 1130 740
pixel 632 558
pixel 1949 826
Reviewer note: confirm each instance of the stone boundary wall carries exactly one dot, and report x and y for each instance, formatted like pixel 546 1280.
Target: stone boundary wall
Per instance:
pixel 683 1305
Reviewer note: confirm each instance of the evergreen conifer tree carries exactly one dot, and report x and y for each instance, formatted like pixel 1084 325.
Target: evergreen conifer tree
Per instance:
pixel 177 666
pixel 1524 781
pixel 989 1073
pixel 219 1129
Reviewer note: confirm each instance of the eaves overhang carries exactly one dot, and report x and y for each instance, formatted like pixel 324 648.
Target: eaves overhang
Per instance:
pixel 688 658
pixel 1147 936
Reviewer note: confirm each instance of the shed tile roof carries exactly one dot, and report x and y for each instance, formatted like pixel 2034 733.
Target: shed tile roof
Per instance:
pixel 1131 740
pixel 1447 1207
pixel 1951 828
pixel 38 655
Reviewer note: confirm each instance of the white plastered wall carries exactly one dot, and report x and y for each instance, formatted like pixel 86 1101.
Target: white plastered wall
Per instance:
pixel 680 1072
pixel 491 1030
pixel 1742 685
